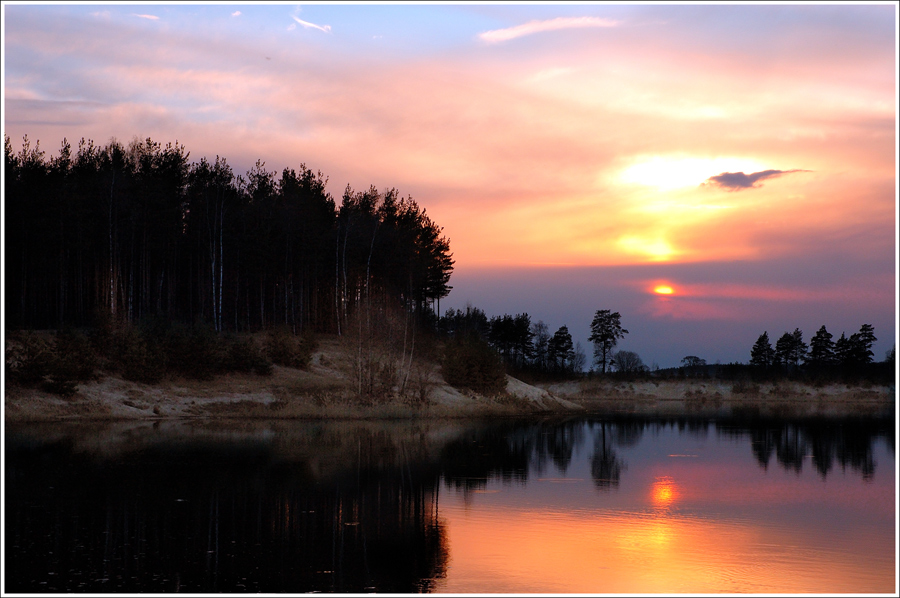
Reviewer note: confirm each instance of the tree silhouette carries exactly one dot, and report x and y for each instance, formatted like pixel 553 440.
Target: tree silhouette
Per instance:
pixel 865 340
pixel 560 351
pixel 628 362
pixel 606 330
pixel 540 339
pixel 129 232
pixel 854 353
pixel 821 349
pixel 790 350
pixel 762 355
pixel 606 466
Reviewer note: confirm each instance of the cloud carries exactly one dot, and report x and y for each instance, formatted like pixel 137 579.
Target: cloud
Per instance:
pixel 308 25
pixel 150 17
pixel 501 35
pixel 236 13
pixel 735 181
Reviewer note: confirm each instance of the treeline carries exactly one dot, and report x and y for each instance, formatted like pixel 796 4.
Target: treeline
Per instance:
pixel 524 347
pixel 127 233
pixel 847 358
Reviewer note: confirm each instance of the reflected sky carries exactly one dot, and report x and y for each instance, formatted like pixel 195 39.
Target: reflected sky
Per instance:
pixel 694 512
pixel 573 505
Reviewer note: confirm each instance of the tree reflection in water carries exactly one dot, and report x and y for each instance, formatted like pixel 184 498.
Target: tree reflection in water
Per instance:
pixel 606 467
pixel 223 518
pixel 845 442
pixel 316 507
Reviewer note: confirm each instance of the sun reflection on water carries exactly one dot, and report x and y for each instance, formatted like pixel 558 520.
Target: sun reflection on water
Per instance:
pixel 664 492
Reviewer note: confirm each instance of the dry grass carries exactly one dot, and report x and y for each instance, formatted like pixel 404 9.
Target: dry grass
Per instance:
pixel 325 389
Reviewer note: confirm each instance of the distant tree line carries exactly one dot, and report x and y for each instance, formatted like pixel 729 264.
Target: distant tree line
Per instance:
pixel 849 359
pixel 528 350
pixel 127 232
pixel 846 358
pixel 523 347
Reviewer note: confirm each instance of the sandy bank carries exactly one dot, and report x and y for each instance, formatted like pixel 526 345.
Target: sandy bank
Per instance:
pixel 327 389
pixel 324 390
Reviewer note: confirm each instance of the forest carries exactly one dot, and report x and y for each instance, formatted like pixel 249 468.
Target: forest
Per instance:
pixel 131 232
pixel 164 260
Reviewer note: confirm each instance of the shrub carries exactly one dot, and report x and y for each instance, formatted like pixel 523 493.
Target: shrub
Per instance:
pixel 471 363
pixel 75 356
pixel 28 358
pixel 194 351
pixel 243 355
pixel 284 348
pixel 418 391
pixel 138 359
pixel 73 360
pixel 744 386
pixel 60 385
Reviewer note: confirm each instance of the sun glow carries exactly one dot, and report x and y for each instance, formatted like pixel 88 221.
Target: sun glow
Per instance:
pixel 663 492
pixel 674 172
pixel 658 250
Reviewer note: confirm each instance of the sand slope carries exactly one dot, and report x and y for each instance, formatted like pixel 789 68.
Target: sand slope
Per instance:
pixel 325 389
pixel 328 388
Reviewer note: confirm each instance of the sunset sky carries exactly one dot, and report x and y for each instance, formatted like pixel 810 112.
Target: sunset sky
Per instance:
pixel 579 157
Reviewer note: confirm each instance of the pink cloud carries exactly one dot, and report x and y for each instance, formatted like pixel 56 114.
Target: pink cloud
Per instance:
pixel 514 167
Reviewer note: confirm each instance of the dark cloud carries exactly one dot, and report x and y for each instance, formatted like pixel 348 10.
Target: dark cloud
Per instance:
pixel 735 181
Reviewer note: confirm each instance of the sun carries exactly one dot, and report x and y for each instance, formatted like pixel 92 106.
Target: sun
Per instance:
pixel 667 173
pixel 664 289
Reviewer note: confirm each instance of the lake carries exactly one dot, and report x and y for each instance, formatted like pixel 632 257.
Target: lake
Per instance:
pixel 575 505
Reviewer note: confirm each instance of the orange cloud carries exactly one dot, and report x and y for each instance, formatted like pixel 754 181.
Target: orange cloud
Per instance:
pixel 585 156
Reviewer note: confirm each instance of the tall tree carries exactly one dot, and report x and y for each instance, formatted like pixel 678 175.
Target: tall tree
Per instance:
pixel 821 349
pixel 606 330
pixel 790 350
pixel 541 337
pixel 855 352
pixel 866 340
pixel 560 351
pixel 762 355
pixel 135 231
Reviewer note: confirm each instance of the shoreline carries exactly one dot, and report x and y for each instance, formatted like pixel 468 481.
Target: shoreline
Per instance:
pixel 327 389
pixel 722 398
pixel 320 395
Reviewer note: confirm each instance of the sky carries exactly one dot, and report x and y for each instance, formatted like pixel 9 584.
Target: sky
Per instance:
pixel 578 157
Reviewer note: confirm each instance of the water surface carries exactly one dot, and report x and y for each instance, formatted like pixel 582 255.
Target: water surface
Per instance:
pixel 581 505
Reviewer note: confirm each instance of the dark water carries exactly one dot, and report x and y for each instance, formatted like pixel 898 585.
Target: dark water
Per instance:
pixel 564 506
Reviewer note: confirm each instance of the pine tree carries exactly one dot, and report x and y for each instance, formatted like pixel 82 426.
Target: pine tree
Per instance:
pixel 762 355
pixel 821 348
pixel 606 330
